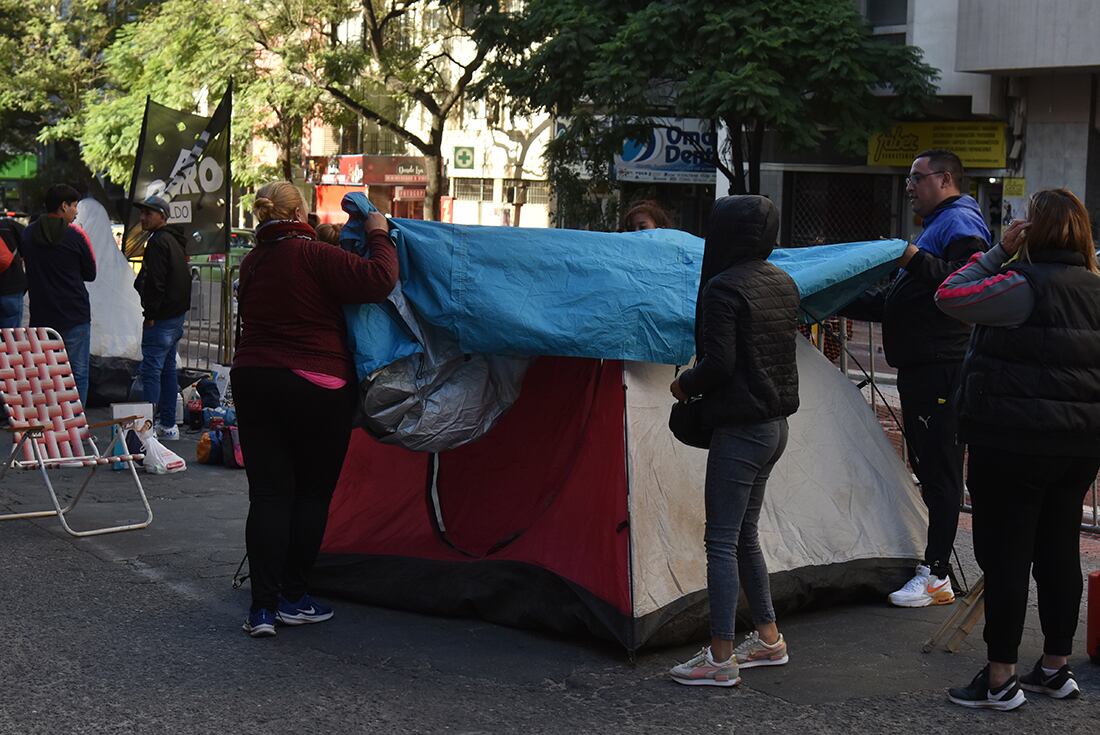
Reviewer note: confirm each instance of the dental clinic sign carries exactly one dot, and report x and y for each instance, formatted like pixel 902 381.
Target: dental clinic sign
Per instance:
pixel 184 159
pixel 677 151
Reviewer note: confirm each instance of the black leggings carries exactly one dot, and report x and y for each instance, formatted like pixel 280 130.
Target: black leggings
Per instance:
pixel 1027 517
pixel 294 436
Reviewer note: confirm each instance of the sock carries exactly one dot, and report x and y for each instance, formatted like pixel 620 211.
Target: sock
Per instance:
pixel 1048 672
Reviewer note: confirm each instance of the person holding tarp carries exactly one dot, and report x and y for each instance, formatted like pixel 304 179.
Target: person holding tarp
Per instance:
pixel 1030 415
pixel 927 348
pixel 746 378
pixel 292 364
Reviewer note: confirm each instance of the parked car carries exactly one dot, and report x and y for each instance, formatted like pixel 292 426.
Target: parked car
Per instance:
pixel 241 241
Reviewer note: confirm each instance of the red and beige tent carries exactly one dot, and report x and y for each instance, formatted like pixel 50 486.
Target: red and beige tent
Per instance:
pixel 579 512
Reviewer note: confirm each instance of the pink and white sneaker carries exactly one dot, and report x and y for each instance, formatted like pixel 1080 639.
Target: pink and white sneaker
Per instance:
pixel 702 670
pixel 753 652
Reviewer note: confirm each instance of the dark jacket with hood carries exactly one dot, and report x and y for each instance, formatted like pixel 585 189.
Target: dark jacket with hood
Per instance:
pixel 59 259
pixel 914 331
pixel 13 280
pixel 746 319
pixel 165 281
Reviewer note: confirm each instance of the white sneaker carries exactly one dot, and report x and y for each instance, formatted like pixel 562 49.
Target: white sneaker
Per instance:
pixel 923 590
pixel 168 433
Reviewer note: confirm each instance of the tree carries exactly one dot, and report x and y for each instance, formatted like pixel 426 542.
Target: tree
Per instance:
pixel 805 70
pixel 392 63
pixel 181 53
pixel 51 53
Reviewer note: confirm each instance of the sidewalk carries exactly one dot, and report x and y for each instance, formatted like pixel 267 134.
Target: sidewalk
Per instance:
pixel 139 632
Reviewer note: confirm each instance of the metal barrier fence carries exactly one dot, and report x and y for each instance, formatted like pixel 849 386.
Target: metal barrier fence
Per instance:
pixel 873 376
pixel 208 332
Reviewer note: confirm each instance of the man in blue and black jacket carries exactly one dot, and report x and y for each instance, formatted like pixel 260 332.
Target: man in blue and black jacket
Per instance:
pixel 927 348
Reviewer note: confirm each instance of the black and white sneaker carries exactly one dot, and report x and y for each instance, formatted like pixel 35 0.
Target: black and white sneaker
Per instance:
pixel 978 695
pixel 1060 685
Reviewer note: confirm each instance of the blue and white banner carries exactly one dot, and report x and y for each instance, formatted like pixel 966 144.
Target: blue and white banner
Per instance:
pixel 677 151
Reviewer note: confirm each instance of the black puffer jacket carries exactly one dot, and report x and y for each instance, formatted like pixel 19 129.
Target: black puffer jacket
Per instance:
pixel 746 319
pixel 165 280
pixel 1036 387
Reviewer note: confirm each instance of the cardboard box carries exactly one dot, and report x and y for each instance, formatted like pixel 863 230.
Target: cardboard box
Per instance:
pixel 121 410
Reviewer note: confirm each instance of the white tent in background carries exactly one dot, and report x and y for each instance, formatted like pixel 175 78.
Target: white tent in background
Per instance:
pixel 116 309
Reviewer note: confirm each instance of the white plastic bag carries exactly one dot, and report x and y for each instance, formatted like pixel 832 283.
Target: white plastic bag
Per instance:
pixel 159 459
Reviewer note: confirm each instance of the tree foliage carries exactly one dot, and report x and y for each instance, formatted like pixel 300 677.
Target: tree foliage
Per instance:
pixel 182 53
pixel 51 54
pixel 404 65
pixel 806 70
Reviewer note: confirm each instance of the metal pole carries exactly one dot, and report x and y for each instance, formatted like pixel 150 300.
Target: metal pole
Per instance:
pixel 225 329
pixel 843 339
pixel 871 364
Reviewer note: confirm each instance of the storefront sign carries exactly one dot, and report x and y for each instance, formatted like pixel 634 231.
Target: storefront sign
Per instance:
pixel 378 170
pixel 1014 187
pixel 977 144
pixel 677 150
pixel 394 170
pixel 408 193
pixel 20 166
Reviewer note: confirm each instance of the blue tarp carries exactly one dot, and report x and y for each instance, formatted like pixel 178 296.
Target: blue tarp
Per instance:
pixel 628 296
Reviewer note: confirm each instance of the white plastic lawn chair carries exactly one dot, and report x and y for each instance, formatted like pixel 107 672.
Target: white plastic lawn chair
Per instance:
pixel 48 421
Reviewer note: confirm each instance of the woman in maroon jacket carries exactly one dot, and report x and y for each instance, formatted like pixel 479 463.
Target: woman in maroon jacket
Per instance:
pixel 293 360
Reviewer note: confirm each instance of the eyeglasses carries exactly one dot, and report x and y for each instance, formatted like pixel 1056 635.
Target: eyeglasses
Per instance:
pixel 914 179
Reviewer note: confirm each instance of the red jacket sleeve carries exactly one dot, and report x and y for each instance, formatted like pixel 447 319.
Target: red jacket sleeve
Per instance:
pixel 356 280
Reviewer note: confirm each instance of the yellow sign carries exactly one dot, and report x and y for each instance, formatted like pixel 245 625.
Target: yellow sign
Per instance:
pixel 978 144
pixel 1014 188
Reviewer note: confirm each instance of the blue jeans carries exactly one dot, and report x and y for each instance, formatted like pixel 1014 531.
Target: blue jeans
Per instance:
pixel 158 365
pixel 11 311
pixel 739 463
pixel 78 345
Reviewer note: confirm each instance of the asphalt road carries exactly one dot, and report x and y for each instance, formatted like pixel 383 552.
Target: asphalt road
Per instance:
pixel 139 632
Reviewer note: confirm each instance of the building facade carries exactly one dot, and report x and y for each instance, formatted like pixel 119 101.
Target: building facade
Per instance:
pixel 829 196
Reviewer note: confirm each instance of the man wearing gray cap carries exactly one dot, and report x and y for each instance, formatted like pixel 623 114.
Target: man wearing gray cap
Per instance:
pixel 165 288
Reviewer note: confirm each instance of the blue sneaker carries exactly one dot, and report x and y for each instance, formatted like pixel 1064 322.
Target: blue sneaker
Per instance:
pixel 305 610
pixel 260 624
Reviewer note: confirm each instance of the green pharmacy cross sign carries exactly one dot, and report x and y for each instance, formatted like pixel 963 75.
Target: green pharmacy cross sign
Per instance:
pixel 464 156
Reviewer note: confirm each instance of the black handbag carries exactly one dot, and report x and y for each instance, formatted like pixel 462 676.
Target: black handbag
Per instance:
pixel 687 425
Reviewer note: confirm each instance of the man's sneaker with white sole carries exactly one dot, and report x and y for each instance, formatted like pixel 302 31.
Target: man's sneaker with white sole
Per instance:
pixel 924 589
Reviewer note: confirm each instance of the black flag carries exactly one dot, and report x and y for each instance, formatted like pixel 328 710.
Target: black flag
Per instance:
pixel 184 158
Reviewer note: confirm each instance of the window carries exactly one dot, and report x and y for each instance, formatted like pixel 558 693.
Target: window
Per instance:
pixel 473 190
pixel 888 12
pixel 538 192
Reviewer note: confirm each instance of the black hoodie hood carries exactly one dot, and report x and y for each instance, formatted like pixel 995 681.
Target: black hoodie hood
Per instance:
pixel 740 228
pixel 175 232
pixel 51 229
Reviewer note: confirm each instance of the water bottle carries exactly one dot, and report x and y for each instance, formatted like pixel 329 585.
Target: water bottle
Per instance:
pixel 179 409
